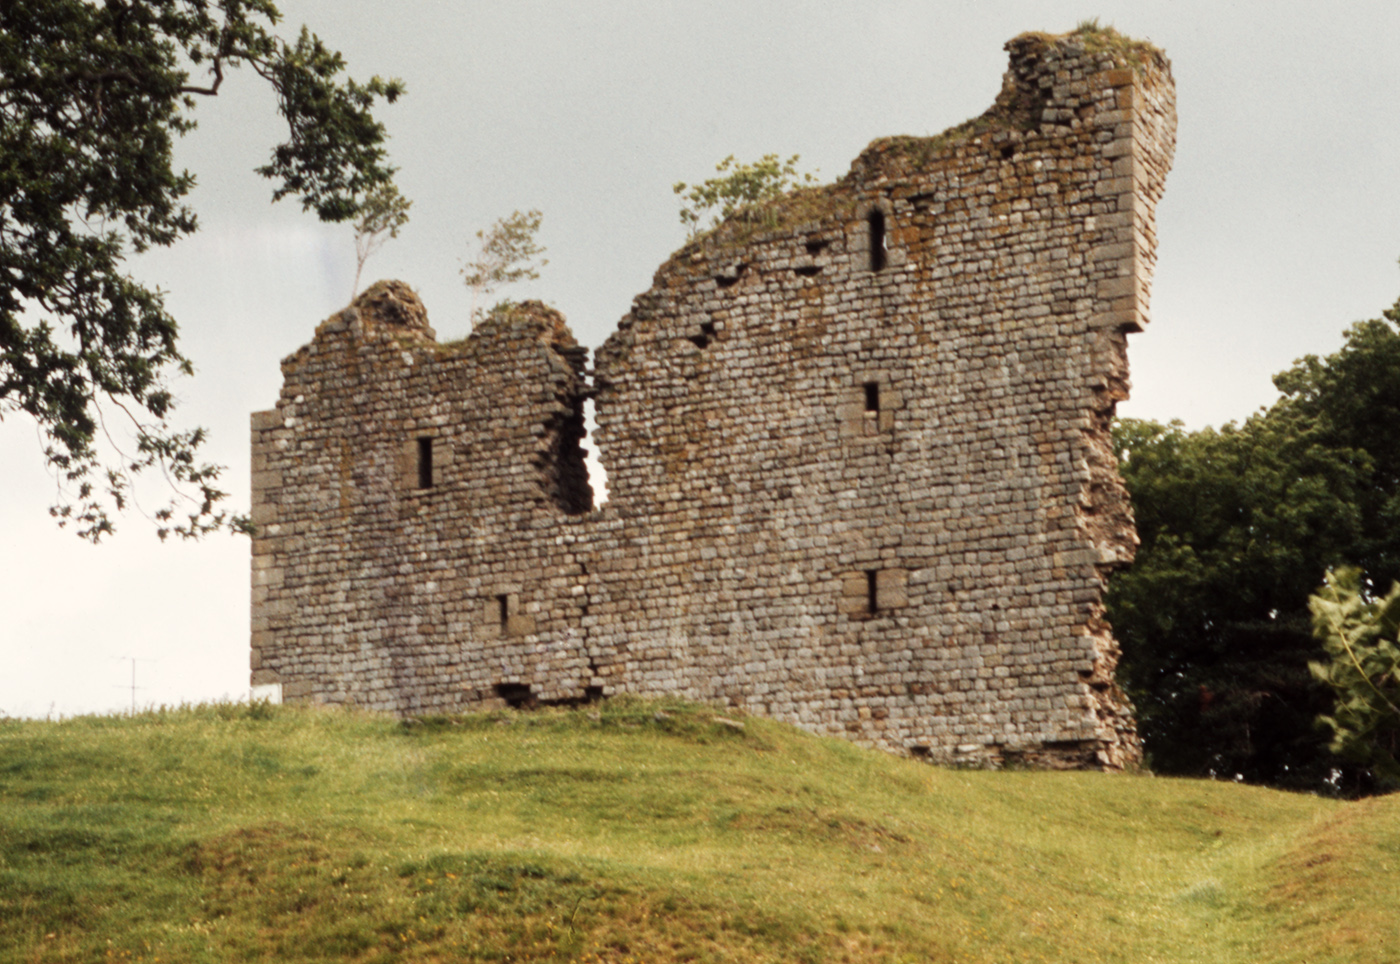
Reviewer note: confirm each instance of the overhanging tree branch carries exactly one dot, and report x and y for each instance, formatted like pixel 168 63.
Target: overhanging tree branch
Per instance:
pixel 92 95
pixel 213 89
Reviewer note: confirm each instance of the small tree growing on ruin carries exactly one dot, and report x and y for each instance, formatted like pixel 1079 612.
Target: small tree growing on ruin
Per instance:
pixel 506 253
pixel 738 186
pixel 383 213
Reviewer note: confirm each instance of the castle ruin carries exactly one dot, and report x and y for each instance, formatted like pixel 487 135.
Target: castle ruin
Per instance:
pixel 857 449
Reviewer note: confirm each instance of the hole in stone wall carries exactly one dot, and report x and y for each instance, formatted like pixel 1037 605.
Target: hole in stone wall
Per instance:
pixel 425 463
pixel 876 220
pixel 592 694
pixel 563 461
pixel 707 332
pixel 920 752
pixel 872 601
pixel 817 247
pixel 725 281
pixel 592 462
pixel 503 608
pixel 808 270
pixel 517 695
pixel 1008 152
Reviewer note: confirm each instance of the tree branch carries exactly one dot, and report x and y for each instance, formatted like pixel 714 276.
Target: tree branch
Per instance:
pixel 213 89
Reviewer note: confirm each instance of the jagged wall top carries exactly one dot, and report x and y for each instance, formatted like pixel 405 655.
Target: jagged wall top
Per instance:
pixel 1026 103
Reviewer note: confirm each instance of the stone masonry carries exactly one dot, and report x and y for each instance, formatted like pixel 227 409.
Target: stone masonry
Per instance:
pixel 857 450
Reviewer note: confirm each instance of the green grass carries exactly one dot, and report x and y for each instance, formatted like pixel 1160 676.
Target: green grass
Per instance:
pixel 611 833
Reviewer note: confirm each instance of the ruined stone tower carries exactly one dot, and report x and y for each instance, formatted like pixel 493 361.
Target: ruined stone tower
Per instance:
pixel 857 445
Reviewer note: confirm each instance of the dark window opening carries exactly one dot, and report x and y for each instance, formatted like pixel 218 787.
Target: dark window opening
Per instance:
pixel 872 397
pixel 817 247
pixel 707 332
pixel 592 694
pixel 503 608
pixel 872 603
pixel 876 220
pixel 920 752
pixel 518 696
pixel 808 270
pixel 1008 152
pixel 425 463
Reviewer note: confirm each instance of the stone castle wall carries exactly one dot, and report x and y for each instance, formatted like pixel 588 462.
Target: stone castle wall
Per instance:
pixel 857 444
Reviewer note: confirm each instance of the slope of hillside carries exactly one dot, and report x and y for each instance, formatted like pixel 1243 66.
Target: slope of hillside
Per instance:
pixel 646 832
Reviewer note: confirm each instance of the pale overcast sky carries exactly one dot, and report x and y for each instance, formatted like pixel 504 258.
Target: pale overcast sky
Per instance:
pixel 1280 226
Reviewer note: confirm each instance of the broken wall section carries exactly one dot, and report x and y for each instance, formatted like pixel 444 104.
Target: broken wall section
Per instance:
pixel 399 488
pixel 859 434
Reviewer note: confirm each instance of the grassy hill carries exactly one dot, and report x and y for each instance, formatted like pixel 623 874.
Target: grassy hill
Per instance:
pixel 647 832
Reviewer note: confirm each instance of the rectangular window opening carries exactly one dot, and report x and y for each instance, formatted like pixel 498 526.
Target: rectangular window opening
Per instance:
pixel 872 397
pixel 503 607
pixel 876 220
pixel 425 463
pixel 872 601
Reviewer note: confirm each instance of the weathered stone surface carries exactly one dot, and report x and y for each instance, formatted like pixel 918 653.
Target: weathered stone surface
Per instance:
pixel 857 442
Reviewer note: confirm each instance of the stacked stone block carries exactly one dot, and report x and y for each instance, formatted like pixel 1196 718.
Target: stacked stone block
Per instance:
pixel 857 443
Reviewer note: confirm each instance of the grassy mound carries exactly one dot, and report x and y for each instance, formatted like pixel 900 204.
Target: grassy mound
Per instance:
pixel 646 832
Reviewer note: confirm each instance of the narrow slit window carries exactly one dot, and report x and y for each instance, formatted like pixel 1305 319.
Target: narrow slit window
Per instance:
pixel 503 608
pixel 876 220
pixel 872 409
pixel 425 463
pixel 872 600
pixel 872 397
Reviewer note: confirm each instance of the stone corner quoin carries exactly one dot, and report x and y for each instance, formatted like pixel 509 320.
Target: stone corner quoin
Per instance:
pixel 857 449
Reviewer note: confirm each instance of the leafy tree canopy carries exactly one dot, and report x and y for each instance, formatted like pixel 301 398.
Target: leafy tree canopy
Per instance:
pixel 91 96
pixel 1238 526
pixel 1352 398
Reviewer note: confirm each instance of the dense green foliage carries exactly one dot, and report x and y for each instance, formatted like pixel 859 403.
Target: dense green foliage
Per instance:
pixel 631 831
pixel 91 96
pixel 1238 527
pixel 1352 400
pixel 1361 635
